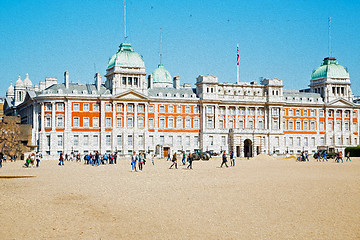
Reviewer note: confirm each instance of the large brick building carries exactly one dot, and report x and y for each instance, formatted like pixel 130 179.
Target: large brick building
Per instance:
pixel 132 111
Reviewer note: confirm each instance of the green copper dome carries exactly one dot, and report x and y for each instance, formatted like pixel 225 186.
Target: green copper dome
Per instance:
pixel 331 69
pixel 126 57
pixel 161 75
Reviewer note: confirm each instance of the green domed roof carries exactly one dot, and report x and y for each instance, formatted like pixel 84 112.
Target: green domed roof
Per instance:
pixel 126 57
pixel 330 68
pixel 161 75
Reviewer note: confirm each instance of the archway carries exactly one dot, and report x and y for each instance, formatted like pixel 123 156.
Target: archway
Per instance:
pixel 248 148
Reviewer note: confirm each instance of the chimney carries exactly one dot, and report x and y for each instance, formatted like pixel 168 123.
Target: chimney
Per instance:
pixel 97 81
pixel 66 79
pixel 176 82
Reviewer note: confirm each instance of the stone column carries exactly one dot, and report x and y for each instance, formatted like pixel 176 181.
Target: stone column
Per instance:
pixel 53 138
pixel 203 117
pixel 326 128
pixel 42 130
pixel 68 141
pixel 146 132
pixel 216 116
pixel 246 118
pixel 53 116
pixel 135 116
pixel 226 121
pixel 114 128
pixel 351 127
pixel 236 124
pixel 256 118
pixel 102 136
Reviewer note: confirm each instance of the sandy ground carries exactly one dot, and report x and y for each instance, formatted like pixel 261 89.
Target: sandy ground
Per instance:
pixel 257 199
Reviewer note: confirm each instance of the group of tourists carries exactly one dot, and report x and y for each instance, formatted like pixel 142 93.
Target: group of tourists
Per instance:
pixel 338 156
pixel 189 158
pixel 30 160
pixel 224 159
pixel 140 160
pixel 4 157
pixel 93 159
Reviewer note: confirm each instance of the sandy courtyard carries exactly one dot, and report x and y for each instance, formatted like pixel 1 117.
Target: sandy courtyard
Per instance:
pixel 258 199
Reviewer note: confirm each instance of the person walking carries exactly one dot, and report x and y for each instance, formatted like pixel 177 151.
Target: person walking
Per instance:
pixel 174 160
pixel 168 158
pixel 134 158
pixel 306 156
pixel 325 157
pixel 183 158
pixel 37 157
pixel 190 161
pixel 141 161
pixel 61 159
pixel 1 160
pixel 152 160
pixel 340 157
pixel 232 159
pixel 115 157
pixel 224 160
pixel 348 156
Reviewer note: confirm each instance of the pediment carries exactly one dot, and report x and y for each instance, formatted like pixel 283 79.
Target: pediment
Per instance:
pixel 340 102
pixel 131 95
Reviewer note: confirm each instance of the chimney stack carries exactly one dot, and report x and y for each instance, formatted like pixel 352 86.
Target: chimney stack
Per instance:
pixel 66 79
pixel 98 81
pixel 176 82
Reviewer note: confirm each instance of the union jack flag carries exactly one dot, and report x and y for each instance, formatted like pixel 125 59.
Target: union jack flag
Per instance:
pixel 237 56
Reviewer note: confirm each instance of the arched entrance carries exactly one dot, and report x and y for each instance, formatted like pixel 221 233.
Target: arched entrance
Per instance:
pixel 248 148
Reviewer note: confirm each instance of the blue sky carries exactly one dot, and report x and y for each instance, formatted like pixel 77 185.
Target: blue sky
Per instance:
pixel 283 39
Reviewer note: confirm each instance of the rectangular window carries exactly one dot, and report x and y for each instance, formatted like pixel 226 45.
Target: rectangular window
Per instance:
pixel 298 141
pixel 161 109
pixel 354 114
pixel 119 122
pixel 95 140
pixel 135 81
pixel 60 140
pixel 209 110
pixel 347 114
pixel 95 122
pixel 171 123
pixel 312 125
pixel 178 109
pixel 119 107
pixel 322 141
pixel 141 108
pixel 48 107
pixel 291 125
pixel 275 124
pixel 298 126
pixel 223 140
pixel 187 140
pixel 221 124
pixel 130 122
pixel 241 124
pixel 123 81
pixel 179 141
pixel 48 141
pixel 76 107
pixel 306 125
pixel 151 108
pixel 305 113
pixel 60 107
pixel 209 123
pixel 231 123
pixel 86 122
pixel 162 123
pixel 312 113
pixel 108 122
pixel 171 109
pixel 196 109
pixel 321 113
pixel 86 140
pixel 297 112
pixel 346 126
pixel 277 141
pixel 86 107
pixel 96 107
pixel 306 141
pixel 171 140
pixel 337 113
pixel 119 140
pixel 211 140
pixel 60 122
pixel 187 109
pixel 130 108
pixel 291 112
pixel 141 122
pixel 179 123
pixel 354 127
pixel 129 80
pixel 196 123
pixel 76 122
pixel 291 141
pixel 76 140
pixel 312 141
pixel 261 124
pixel 151 123
pixel 196 140
pixel 151 140
pixel 141 141
pixel 187 123
pixel 108 107
pixel 108 140
pixel 275 111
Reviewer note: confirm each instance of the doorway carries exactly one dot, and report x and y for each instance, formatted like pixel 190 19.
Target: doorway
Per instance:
pixel 237 151
pixel 248 148
pixel 166 151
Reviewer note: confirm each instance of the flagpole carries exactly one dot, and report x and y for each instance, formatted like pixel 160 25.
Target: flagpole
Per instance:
pixel 237 65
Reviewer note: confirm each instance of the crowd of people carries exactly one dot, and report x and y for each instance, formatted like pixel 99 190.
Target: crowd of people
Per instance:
pixel 93 159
